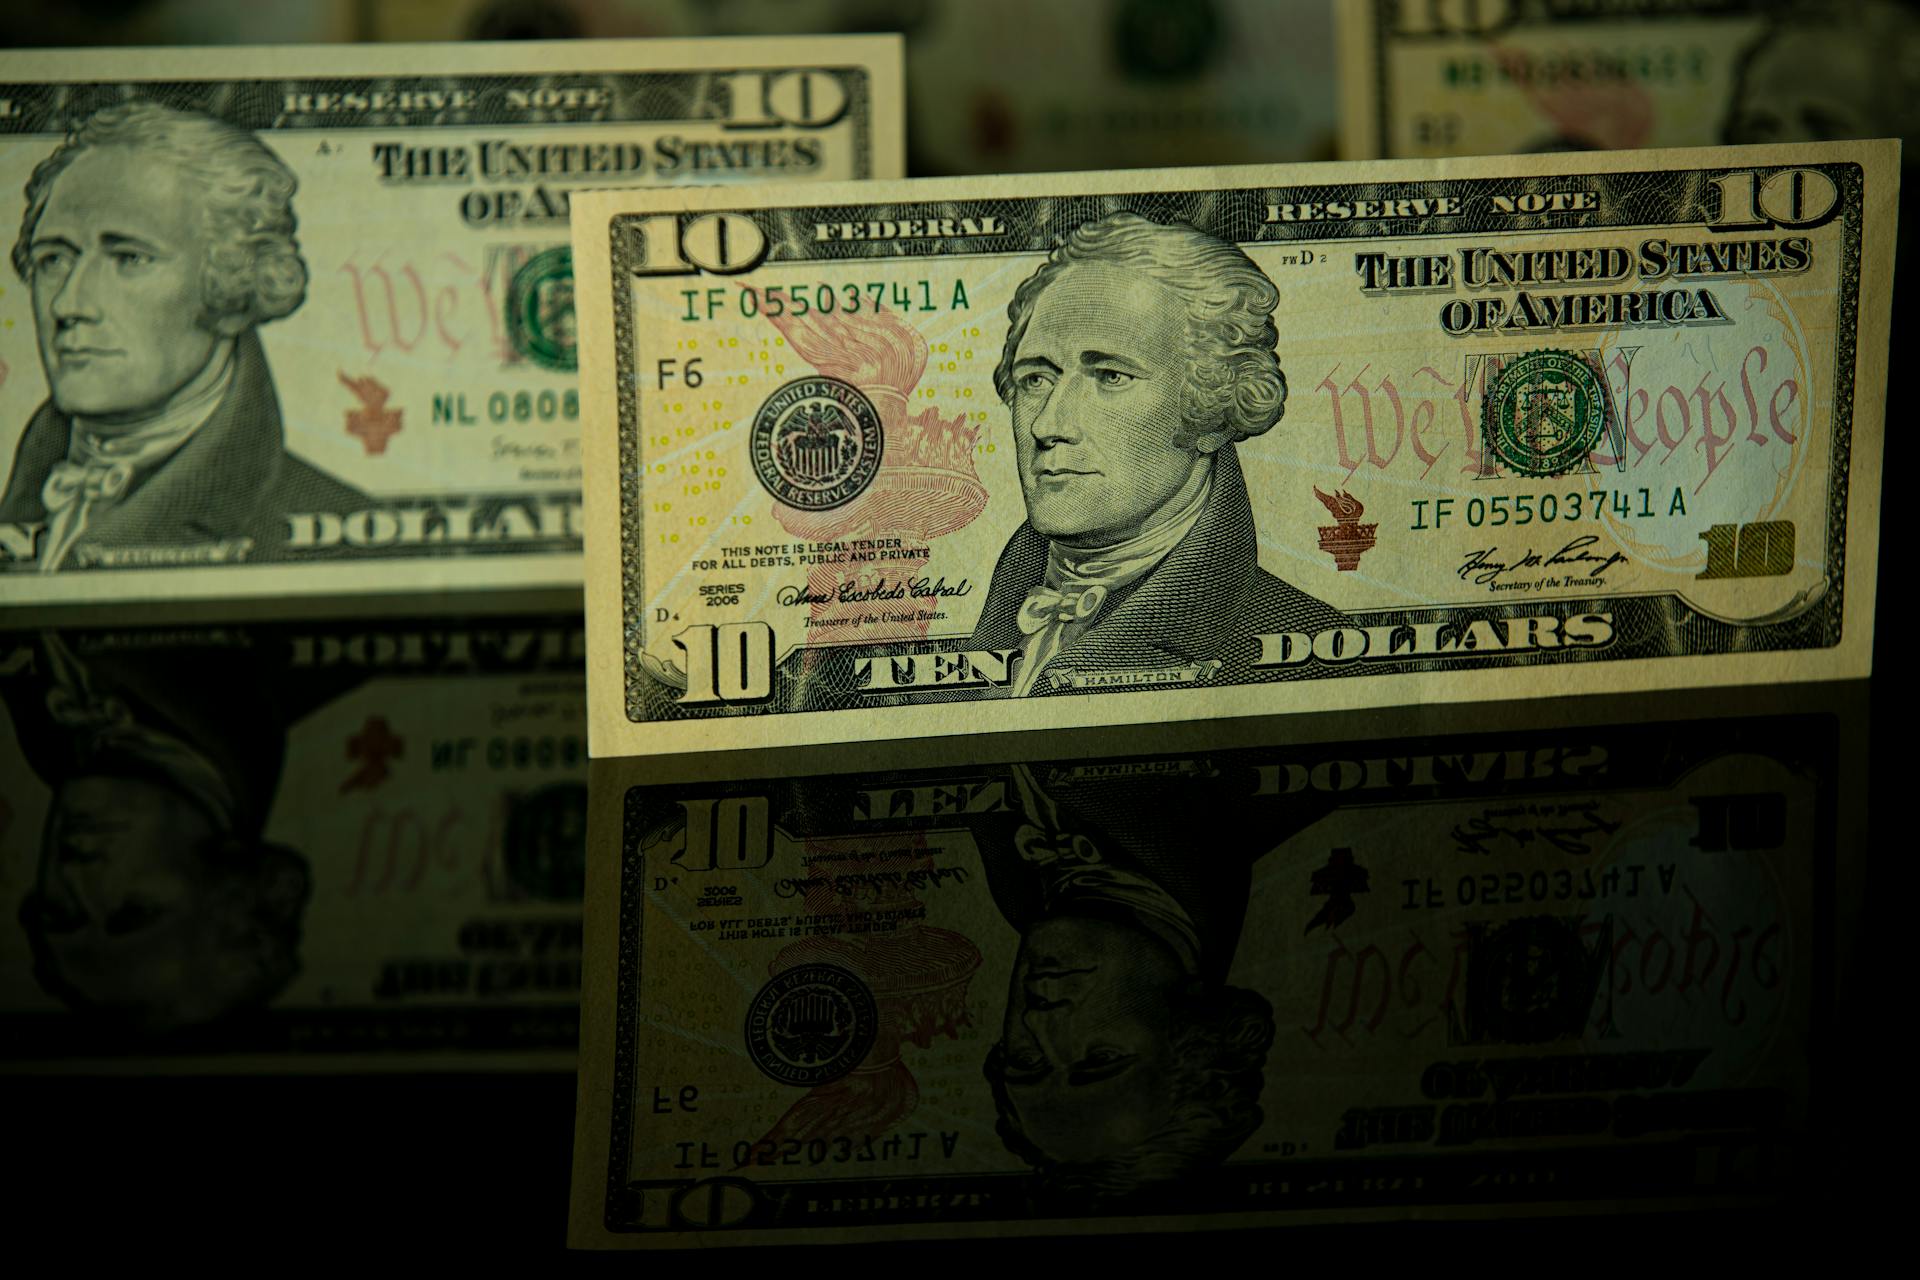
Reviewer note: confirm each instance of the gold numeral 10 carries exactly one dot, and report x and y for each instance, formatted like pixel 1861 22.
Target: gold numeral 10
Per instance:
pixel 1763 549
pixel 1789 198
pixel 732 662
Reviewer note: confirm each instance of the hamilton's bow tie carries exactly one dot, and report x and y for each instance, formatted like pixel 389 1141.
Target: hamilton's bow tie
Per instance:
pixel 1045 606
pixel 96 481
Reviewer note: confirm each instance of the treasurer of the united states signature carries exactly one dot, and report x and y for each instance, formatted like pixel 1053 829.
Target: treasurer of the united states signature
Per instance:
pixel 1485 569
pixel 854 592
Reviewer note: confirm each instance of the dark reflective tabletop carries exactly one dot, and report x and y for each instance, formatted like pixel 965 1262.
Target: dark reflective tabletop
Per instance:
pixel 295 928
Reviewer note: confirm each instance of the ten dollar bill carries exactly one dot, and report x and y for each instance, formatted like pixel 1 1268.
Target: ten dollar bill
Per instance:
pixel 1477 77
pixel 868 462
pixel 299 321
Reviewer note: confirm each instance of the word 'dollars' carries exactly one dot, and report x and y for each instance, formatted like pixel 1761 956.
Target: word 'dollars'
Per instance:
pixel 888 673
pixel 437 523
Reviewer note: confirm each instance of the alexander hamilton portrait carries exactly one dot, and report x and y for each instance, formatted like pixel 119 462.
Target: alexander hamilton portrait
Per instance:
pixel 1138 358
pixel 155 243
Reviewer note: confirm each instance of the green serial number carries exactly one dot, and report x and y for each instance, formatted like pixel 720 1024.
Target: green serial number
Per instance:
pixel 1545 508
pixel 453 409
pixel 827 299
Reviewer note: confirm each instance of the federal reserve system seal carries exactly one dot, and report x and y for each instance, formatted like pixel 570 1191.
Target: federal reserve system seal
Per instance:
pixel 540 319
pixel 812 1024
pixel 816 443
pixel 1545 413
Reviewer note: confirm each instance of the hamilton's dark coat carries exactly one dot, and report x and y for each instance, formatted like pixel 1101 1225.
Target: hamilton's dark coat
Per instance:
pixel 1207 599
pixel 232 479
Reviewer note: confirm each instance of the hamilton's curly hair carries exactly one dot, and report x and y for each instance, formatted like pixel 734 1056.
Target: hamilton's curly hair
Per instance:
pixel 1219 1059
pixel 1234 381
pixel 254 272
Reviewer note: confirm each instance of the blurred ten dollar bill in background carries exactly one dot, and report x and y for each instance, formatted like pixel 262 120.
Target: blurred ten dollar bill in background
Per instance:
pixel 1110 448
pixel 1475 77
pixel 293 322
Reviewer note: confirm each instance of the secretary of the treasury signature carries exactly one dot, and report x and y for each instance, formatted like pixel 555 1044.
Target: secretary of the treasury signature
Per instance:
pixel 1484 568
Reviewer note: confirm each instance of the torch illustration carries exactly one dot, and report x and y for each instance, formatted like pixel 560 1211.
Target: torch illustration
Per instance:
pixel 1346 539
pixel 926 486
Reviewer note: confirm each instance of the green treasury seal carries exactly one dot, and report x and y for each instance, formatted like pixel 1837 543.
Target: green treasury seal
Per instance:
pixel 811 1024
pixel 540 320
pixel 1545 413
